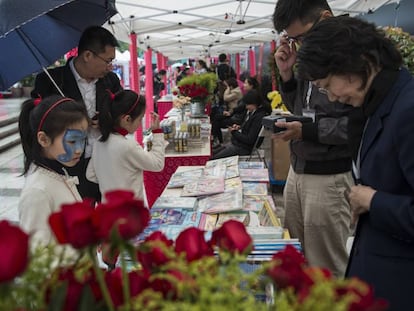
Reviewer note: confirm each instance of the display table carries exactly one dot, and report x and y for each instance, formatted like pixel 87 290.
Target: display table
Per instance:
pixel 155 182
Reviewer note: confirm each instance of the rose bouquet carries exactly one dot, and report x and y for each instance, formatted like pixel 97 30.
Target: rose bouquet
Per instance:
pixel 190 273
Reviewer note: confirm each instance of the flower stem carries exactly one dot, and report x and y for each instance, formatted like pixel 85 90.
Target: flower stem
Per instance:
pixel 125 280
pixel 101 281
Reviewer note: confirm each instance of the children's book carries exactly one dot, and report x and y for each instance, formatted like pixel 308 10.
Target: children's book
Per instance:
pixel 251 164
pixel 218 170
pixel 232 171
pixel 254 188
pixel 253 203
pixel 268 217
pixel 267 232
pixel 254 174
pixel 233 184
pixel 208 222
pixel 222 202
pixel 203 186
pixel 223 217
pixel 179 179
pixel 228 161
pixel 175 202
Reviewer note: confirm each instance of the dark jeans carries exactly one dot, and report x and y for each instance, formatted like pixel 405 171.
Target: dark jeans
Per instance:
pixel 229 150
pixel 219 122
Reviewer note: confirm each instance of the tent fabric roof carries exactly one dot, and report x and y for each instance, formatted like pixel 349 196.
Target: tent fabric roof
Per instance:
pixel 184 29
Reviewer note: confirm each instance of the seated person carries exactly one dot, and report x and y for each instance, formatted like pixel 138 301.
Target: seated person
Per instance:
pixel 232 96
pixel 229 118
pixel 243 137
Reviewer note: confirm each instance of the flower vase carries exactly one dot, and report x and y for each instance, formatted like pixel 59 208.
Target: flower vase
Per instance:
pixel 198 108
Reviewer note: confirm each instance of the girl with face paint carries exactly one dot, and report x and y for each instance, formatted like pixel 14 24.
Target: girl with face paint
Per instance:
pixel 53 133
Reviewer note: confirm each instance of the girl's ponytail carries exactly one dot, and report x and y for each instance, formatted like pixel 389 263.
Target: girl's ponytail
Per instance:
pixel 27 133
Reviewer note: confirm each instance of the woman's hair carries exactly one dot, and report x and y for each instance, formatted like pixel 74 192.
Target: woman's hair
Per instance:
pixel 346 45
pixel 203 64
pixel 52 115
pixel 125 102
pixel 253 82
pixel 232 82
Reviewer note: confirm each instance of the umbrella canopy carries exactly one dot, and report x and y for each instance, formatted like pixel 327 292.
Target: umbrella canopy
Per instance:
pixel 34 34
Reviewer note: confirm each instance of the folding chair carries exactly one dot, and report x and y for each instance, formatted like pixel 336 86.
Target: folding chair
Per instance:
pixel 255 151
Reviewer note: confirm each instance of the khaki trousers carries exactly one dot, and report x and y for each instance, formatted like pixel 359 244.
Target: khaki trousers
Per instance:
pixel 317 213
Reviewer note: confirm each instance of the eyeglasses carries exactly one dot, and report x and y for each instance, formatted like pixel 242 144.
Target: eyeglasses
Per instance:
pixel 107 62
pixel 299 38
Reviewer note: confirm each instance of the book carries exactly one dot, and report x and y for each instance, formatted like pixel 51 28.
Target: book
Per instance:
pixel 268 217
pixel 222 202
pixel 233 184
pixel 228 161
pixel 208 222
pixel 203 186
pixel 232 171
pixel 218 170
pixel 251 164
pixel 253 203
pixel 179 179
pixel 267 232
pixel 175 202
pixel 223 217
pixel 254 174
pixel 254 188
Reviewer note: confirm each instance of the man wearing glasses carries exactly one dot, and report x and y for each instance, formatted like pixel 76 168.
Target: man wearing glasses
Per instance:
pixel 316 210
pixel 86 77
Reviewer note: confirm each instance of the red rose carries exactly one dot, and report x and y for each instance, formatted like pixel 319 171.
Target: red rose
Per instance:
pixel 167 283
pixel 121 210
pixel 73 225
pixel 232 236
pixel 74 288
pixel 152 252
pixel 14 251
pixel 288 269
pixel 192 242
pixel 138 281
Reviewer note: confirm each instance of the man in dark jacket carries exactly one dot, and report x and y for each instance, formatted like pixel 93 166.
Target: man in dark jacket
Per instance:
pixel 86 77
pixel 316 211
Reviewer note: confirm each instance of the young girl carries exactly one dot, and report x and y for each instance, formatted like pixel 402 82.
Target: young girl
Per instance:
pixel 118 162
pixel 53 133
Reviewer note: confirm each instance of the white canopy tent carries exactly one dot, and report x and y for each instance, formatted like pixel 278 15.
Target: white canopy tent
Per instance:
pixel 191 29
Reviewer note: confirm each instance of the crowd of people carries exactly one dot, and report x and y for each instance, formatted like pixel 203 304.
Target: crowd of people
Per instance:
pixel 351 170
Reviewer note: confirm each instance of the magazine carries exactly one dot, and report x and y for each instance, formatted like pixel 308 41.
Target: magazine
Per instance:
pixel 228 161
pixel 175 202
pixel 179 179
pixel 254 188
pixel 222 202
pixel 203 187
pixel 251 164
pixel 254 174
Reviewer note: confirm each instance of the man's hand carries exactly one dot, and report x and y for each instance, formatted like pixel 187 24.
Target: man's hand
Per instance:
pixel 293 130
pixel 285 57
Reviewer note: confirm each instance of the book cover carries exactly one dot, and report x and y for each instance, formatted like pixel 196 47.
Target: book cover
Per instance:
pixel 267 232
pixel 221 203
pixel 254 174
pixel 203 187
pixel 254 188
pixel 208 222
pixel 253 203
pixel 223 217
pixel 218 170
pixel 228 161
pixel 233 184
pixel 268 217
pixel 179 179
pixel 251 164
pixel 232 171
pixel 175 202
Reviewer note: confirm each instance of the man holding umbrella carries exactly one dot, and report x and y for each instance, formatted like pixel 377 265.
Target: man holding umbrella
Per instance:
pixel 86 77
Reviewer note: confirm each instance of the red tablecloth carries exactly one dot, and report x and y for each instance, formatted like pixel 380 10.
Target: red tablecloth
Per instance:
pixel 155 182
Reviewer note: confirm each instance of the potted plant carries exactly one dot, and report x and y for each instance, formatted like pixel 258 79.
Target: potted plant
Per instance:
pixel 405 44
pixel 200 88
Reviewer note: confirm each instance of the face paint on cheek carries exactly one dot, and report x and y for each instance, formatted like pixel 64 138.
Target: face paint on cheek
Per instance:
pixel 73 141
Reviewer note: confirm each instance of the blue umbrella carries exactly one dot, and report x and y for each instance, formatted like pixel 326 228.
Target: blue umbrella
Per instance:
pixel 34 34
